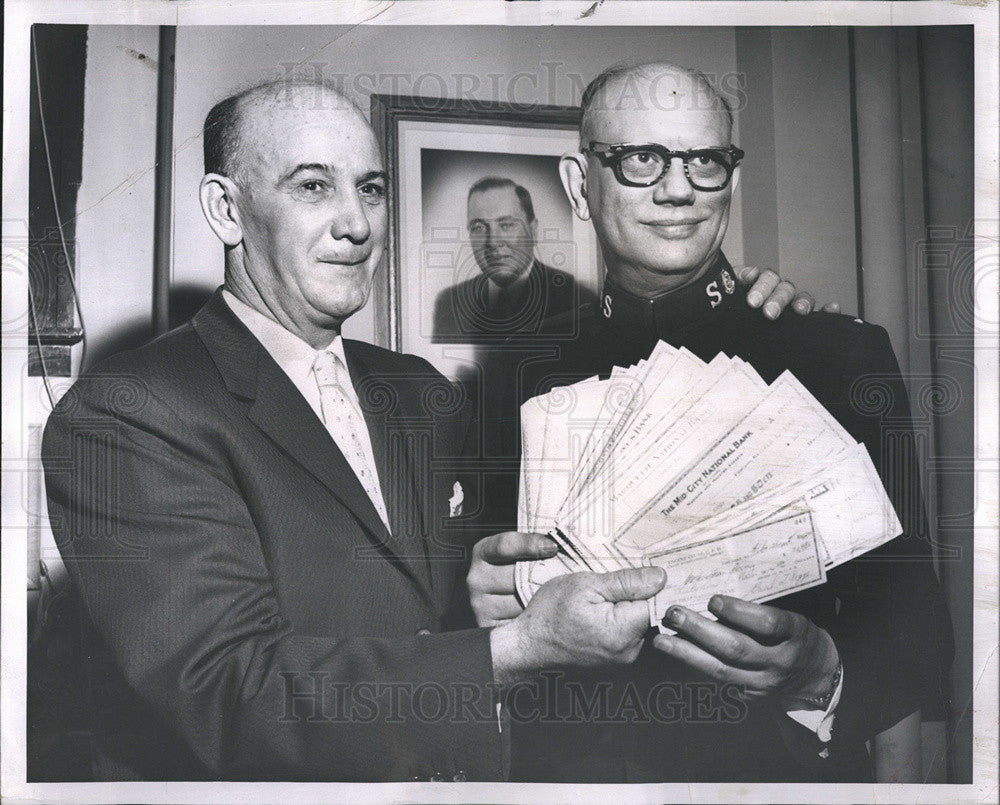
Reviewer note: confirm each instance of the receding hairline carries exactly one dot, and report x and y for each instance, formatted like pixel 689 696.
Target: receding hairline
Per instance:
pixel 269 96
pixel 649 71
pixel 488 183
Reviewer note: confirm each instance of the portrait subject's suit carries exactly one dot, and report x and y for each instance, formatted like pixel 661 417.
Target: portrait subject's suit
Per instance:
pixel 261 622
pixel 469 313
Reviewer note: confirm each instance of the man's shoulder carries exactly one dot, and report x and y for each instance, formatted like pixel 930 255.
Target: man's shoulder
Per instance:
pixel 553 274
pixel 457 289
pixel 166 361
pixel 169 383
pixel 566 281
pixel 836 338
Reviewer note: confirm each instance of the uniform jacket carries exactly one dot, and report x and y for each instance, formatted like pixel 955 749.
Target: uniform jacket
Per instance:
pixel 885 610
pixel 260 621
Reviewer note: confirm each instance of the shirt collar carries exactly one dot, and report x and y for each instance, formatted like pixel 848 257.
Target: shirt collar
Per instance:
pixel 291 353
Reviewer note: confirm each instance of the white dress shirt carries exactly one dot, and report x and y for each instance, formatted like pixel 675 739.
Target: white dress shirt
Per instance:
pixel 296 358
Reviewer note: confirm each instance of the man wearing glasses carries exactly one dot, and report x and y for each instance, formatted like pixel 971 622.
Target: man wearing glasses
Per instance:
pixel 787 692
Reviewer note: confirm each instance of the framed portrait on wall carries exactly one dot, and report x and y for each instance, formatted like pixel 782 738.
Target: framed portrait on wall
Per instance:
pixel 439 296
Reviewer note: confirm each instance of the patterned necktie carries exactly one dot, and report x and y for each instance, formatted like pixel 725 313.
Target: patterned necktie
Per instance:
pixel 346 424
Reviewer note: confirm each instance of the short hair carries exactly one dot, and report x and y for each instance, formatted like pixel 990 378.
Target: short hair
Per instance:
pixel 494 182
pixel 222 141
pixel 605 77
pixel 220 135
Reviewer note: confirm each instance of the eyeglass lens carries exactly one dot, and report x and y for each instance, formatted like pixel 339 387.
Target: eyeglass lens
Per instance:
pixel 706 169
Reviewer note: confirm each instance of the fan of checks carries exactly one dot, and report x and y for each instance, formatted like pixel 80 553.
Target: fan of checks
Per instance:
pixel 732 485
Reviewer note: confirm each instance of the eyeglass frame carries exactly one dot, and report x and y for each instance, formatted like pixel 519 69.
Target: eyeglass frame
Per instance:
pixel 606 153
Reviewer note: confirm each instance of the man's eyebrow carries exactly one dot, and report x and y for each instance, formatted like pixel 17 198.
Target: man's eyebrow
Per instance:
pixel 305 167
pixel 367 177
pixel 319 167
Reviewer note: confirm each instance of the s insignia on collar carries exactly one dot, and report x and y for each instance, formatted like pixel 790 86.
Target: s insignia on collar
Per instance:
pixel 714 295
pixel 728 283
pixel 606 306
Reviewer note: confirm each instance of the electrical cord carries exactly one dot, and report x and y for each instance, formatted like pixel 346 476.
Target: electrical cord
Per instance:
pixel 70 268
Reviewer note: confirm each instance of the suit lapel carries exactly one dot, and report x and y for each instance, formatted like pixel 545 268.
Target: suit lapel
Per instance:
pixel 406 433
pixel 283 415
pixel 398 477
pixel 277 408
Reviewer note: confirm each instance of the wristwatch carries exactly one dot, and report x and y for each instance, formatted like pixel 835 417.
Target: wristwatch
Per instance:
pixel 823 702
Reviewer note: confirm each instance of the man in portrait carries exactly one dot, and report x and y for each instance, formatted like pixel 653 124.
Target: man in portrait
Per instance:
pixel 820 675
pixel 514 291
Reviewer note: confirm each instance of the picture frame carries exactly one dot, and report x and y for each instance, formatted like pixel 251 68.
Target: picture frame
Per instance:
pixel 434 150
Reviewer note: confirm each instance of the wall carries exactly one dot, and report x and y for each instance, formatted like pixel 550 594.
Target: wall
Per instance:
pixel 798 184
pixel 115 204
pixel 114 224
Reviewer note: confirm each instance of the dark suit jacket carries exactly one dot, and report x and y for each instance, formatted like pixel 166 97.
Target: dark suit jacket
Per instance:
pixel 261 622
pixel 465 313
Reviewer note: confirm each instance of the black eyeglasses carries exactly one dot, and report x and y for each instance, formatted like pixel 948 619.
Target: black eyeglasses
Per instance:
pixel 644 165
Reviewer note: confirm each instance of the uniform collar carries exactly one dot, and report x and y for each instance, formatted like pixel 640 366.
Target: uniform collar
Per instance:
pixel 672 313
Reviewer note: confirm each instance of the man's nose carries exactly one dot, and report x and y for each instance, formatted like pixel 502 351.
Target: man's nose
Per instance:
pixel 674 187
pixel 350 221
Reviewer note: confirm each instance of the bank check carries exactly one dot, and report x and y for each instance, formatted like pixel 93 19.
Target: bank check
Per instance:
pixel 731 484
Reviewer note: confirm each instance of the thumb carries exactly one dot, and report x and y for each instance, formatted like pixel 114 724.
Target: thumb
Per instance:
pixel 630 584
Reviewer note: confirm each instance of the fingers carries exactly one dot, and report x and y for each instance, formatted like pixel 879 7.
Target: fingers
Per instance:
pixel 630 584
pixel 632 619
pixel 700 660
pixel 497 609
pixel 513 546
pixel 779 299
pixel 803 303
pixel 725 644
pixel 762 288
pixel 768 625
pixel 831 307
pixel 747 274
pixel 485 579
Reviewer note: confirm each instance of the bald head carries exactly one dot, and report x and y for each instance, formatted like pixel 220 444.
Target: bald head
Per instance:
pixel 652 86
pixel 663 234
pixel 229 140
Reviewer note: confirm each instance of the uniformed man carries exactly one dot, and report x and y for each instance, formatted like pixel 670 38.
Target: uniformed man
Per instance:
pixel 815 674
pixel 516 310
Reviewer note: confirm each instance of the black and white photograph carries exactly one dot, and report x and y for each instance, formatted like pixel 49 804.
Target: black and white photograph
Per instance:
pixel 500 402
pixel 482 213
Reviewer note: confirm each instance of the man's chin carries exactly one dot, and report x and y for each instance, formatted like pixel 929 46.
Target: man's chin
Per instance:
pixel 504 275
pixel 687 263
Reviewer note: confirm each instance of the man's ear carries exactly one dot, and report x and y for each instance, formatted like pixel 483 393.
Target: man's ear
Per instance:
pixel 217 194
pixel 573 172
pixel 736 176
